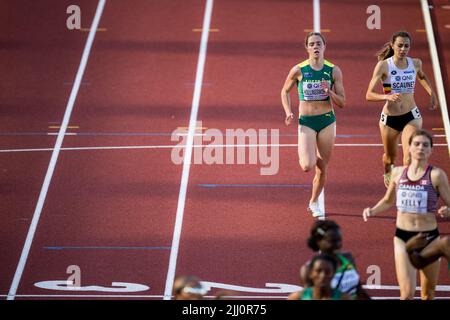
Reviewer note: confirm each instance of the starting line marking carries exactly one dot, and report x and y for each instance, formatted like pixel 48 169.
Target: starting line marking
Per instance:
pixel 161 296
pixel 125 287
pixel 65 285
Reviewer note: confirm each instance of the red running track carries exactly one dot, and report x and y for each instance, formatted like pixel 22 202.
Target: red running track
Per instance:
pixel 112 212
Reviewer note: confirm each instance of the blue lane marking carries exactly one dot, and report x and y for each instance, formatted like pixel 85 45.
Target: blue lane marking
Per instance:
pixel 106 248
pixel 23 133
pixel 214 185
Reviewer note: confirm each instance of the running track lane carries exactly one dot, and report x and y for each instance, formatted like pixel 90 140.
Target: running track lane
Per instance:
pixel 348 194
pixel 289 153
pixel 112 213
pixel 248 236
pixel 40 58
pixel 230 229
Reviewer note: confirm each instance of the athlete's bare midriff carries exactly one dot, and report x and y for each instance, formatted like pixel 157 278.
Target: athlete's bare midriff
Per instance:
pixel 397 108
pixel 416 222
pixel 314 108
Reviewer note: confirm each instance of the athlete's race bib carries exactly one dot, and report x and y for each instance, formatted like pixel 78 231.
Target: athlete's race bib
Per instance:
pixel 383 118
pixel 313 91
pixel 348 283
pixel 416 113
pixel 414 201
pixel 403 83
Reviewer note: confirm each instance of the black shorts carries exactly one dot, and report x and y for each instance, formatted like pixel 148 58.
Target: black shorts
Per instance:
pixel 399 122
pixel 406 235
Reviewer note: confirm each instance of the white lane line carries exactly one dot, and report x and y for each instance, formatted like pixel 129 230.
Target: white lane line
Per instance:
pixel 207 297
pixel 103 296
pixel 436 69
pixel 55 154
pixel 188 151
pixel 316 13
pixel 196 146
pixel 316 17
pixel 163 134
pixel 251 292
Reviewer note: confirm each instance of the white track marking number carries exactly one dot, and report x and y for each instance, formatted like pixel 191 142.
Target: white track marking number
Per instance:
pixel 73 21
pixel 374 20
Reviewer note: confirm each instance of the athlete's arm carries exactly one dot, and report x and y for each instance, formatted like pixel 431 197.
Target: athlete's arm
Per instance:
pixel 338 95
pixel 431 253
pixel 389 198
pixel 291 79
pixel 440 183
pixel 371 94
pixel 425 82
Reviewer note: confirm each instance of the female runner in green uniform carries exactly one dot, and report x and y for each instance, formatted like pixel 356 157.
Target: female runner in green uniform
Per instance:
pixel 323 268
pixel 326 237
pixel 319 84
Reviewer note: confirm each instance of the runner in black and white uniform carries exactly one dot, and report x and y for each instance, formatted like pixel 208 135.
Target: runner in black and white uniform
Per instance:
pixel 400 115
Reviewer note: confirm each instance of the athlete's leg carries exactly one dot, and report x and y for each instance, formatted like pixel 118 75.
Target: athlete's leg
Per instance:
pixel 307 148
pixel 409 129
pixel 444 245
pixel 325 144
pixel 389 137
pixel 429 277
pixel 406 273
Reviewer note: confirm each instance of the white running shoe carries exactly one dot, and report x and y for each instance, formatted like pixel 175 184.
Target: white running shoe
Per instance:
pixel 314 209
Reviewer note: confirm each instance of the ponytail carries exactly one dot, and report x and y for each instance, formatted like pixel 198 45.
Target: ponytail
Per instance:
pixel 387 51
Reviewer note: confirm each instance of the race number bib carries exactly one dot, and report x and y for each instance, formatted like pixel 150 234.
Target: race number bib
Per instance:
pixel 416 113
pixel 313 91
pixel 383 118
pixel 403 83
pixel 412 201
